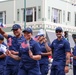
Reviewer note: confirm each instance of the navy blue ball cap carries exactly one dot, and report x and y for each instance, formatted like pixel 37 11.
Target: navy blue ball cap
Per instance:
pixel 28 30
pixel 16 26
pixel 1 37
pixel 59 29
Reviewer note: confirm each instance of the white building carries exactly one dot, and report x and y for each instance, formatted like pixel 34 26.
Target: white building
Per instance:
pixel 46 14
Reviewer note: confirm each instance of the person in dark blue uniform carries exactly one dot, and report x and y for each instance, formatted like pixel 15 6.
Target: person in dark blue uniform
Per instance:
pixel 13 42
pixel 29 55
pixel 2 55
pixel 74 60
pixel 61 54
pixel 46 51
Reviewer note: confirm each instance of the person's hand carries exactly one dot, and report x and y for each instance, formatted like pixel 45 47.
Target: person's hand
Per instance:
pixel 8 53
pixel 44 40
pixel 66 69
pixel 30 54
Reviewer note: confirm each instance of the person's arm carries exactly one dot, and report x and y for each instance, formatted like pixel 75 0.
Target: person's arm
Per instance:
pixel 67 62
pixel 67 50
pixel 67 58
pixel 2 56
pixel 16 57
pixel 47 47
pixel 35 57
pixel 3 33
pixel 74 57
pixel 46 54
pixel 46 44
pixel 14 52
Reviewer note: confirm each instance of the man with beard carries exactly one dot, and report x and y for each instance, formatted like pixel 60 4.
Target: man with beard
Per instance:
pixel 61 54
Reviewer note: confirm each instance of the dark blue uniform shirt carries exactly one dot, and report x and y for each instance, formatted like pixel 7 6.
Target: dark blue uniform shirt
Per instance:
pixel 13 44
pixel 2 60
pixel 74 53
pixel 59 51
pixel 44 59
pixel 26 61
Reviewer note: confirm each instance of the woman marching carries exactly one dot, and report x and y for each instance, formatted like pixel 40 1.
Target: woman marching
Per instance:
pixel 45 52
pixel 29 55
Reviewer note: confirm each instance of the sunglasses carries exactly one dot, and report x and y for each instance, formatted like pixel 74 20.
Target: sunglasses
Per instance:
pixel 58 31
pixel 15 29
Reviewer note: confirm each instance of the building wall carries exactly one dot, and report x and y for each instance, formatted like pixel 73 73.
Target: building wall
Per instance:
pixel 11 10
pixel 8 7
pixel 29 4
pixel 63 6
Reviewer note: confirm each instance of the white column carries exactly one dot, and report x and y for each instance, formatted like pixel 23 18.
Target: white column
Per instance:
pixel 44 14
pixel 43 9
pixel 14 11
pixel 67 13
pixel 3 17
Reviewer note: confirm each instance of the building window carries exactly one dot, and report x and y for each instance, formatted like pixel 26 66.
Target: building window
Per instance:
pixel 30 14
pixel 69 16
pixel 56 15
pixel 18 14
pixel 35 14
pixel 75 19
pixel 63 16
pixel 39 12
pixel 1 17
pixel 49 12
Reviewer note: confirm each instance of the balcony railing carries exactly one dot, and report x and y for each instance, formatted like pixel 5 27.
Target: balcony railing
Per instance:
pixel 46 25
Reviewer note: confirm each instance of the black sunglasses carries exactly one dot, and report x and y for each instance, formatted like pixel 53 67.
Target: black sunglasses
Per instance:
pixel 58 31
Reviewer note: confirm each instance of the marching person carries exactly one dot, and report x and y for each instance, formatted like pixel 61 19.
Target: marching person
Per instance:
pixel 2 54
pixel 61 54
pixel 46 51
pixel 29 55
pixel 13 42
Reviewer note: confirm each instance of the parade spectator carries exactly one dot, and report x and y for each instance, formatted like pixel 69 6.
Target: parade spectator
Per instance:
pixel 13 42
pixel 29 55
pixel 61 54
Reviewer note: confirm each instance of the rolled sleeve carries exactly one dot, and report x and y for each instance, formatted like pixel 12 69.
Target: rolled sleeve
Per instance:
pixel 9 36
pixel 37 49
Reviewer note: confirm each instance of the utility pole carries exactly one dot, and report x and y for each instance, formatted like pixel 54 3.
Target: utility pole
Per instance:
pixel 24 13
